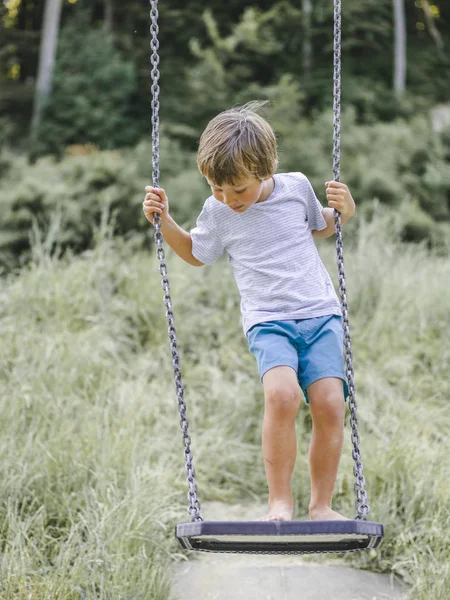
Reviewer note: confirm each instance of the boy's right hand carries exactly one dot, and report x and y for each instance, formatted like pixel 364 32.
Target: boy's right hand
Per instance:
pixel 155 201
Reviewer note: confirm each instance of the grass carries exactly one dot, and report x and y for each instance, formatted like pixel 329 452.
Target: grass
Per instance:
pixel 92 471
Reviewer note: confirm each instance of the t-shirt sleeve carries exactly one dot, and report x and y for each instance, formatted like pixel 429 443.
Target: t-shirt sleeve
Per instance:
pixel 206 244
pixel 314 209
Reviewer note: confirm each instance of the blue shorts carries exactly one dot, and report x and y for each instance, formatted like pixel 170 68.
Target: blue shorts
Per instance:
pixel 312 347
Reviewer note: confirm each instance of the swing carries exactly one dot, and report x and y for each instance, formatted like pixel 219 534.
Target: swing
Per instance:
pixel 266 537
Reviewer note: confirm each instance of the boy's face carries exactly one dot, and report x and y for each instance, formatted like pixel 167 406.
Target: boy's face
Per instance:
pixel 240 197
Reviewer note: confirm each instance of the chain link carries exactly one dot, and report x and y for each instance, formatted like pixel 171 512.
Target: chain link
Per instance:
pixel 194 504
pixel 361 505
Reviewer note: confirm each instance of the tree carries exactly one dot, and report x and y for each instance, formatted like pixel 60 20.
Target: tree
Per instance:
pixel 49 40
pixel 108 15
pixel 93 93
pixel 307 44
pixel 399 48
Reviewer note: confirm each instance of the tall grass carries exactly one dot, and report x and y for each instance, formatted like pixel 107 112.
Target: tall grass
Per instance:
pixel 91 472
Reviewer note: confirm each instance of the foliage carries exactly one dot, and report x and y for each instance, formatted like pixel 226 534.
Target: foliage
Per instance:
pixel 211 57
pixel 395 163
pixel 91 477
pixel 7 132
pixel 75 193
pixel 93 95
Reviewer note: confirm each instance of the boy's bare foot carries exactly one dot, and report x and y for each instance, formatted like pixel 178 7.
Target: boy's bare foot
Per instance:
pixel 325 513
pixel 280 510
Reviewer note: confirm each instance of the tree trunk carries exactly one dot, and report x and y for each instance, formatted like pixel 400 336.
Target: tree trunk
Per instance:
pixel 108 16
pixel 307 45
pixel 399 48
pixel 47 53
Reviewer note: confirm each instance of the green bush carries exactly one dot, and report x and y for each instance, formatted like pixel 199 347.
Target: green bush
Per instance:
pixel 93 95
pixel 388 161
pixel 402 164
pixel 75 192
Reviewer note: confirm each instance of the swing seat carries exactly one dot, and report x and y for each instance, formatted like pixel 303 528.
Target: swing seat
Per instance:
pixel 279 537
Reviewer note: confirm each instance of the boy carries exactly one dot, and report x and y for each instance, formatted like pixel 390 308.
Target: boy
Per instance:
pixel 290 312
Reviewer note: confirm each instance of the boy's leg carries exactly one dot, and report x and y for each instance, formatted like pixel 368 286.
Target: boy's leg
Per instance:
pixel 326 400
pixel 282 396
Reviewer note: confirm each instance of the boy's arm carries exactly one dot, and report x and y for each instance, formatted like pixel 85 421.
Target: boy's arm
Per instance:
pixel 156 201
pixel 328 215
pixel 179 240
pixel 339 197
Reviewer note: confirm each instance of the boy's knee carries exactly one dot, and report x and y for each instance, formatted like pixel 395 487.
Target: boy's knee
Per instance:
pixel 283 400
pixel 328 408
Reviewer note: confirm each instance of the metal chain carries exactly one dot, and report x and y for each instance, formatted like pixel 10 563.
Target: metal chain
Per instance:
pixel 194 504
pixel 361 495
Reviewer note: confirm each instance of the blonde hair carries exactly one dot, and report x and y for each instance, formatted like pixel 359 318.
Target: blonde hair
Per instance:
pixel 236 144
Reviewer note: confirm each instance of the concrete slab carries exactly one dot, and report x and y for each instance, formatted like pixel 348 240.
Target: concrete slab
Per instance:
pixel 237 581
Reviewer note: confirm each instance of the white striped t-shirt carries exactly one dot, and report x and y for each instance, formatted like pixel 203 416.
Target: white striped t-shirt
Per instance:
pixel 278 271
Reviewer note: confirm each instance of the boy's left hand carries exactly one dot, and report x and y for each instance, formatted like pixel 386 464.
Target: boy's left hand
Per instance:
pixel 339 197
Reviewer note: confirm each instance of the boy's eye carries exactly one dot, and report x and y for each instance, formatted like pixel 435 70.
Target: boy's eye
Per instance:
pixel 240 191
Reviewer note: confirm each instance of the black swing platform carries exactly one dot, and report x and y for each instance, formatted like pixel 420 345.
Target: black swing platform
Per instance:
pixel 279 537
